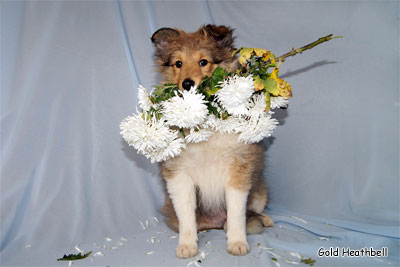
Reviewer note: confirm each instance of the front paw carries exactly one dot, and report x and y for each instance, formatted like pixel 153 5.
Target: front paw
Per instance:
pixel 238 248
pixel 186 251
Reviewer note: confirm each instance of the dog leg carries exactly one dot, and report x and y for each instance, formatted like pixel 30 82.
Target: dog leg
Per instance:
pixel 236 221
pixel 183 195
pixel 256 203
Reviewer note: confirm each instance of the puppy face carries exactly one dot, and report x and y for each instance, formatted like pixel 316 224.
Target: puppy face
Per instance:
pixel 186 58
pixel 190 66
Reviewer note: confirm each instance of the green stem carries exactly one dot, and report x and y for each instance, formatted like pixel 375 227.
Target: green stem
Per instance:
pixel 300 50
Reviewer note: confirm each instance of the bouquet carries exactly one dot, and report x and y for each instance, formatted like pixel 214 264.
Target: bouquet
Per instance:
pixel 239 103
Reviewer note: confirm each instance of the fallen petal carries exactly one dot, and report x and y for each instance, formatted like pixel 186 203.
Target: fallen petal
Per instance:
pixel 141 223
pixel 98 253
pixel 291 262
pixel 78 249
pixel 299 219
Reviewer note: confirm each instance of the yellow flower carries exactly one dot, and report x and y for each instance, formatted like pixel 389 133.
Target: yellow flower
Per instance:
pixel 246 53
pixel 283 87
pixel 259 52
pixel 267 56
pixel 262 53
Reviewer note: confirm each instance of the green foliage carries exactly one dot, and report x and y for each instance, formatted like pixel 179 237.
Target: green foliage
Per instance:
pixel 258 83
pixel 217 76
pixel 271 86
pixel 72 257
pixel 210 85
pixel 309 261
pixel 182 132
pixel 213 110
pixel 164 92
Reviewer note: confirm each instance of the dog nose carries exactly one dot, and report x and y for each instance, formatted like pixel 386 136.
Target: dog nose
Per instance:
pixel 187 84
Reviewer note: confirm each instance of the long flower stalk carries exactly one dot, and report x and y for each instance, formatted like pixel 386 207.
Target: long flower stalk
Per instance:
pixel 309 46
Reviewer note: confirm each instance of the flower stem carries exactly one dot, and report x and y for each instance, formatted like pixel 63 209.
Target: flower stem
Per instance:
pixel 300 50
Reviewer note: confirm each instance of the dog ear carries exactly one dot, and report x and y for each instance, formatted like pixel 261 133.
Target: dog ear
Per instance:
pixel 222 35
pixel 162 37
pixel 164 41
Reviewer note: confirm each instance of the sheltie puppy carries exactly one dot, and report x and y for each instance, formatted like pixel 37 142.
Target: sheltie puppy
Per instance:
pixel 218 183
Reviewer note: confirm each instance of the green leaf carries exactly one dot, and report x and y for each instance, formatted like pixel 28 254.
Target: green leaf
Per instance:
pixel 217 76
pixel 182 132
pixel 308 261
pixel 164 92
pixel 258 83
pixel 271 86
pixel 72 257
pixel 213 110
pixel 203 87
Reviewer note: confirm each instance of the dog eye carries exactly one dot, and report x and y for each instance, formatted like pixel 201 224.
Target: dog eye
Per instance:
pixel 178 64
pixel 203 62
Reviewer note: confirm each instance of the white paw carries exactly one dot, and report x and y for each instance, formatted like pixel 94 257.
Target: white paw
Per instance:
pixel 186 251
pixel 238 248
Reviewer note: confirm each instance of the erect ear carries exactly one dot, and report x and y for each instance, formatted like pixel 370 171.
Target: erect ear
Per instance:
pixel 162 37
pixel 222 35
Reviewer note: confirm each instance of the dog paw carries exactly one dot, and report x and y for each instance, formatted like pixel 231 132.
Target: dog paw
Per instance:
pixel 186 251
pixel 267 221
pixel 238 248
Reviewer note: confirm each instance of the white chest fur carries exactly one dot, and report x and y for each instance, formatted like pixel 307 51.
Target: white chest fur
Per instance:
pixel 207 165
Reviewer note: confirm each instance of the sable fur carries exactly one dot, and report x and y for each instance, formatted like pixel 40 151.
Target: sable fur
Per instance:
pixel 215 44
pixel 215 166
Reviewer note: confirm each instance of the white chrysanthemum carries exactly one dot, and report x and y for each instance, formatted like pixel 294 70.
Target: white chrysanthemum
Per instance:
pixel 154 139
pixel 257 106
pixel 198 135
pixel 279 102
pixel 173 149
pixel 210 122
pixel 235 94
pixel 230 125
pixel 151 138
pixel 144 99
pixel 257 129
pixel 187 111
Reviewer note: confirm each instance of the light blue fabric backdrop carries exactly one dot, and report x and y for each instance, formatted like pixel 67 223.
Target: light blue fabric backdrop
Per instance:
pixel 69 73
